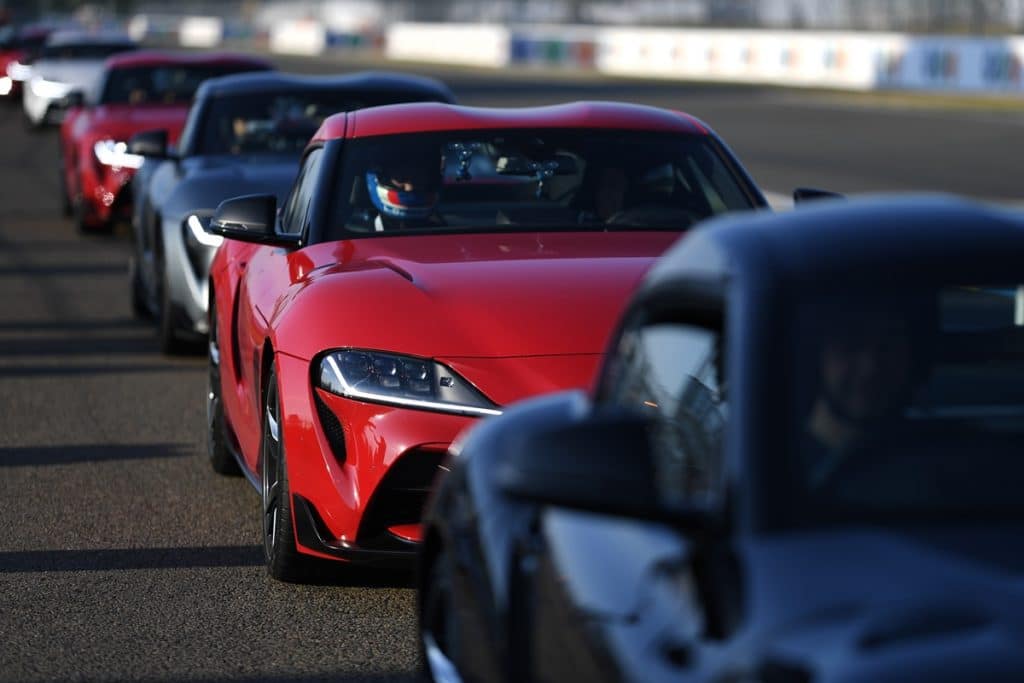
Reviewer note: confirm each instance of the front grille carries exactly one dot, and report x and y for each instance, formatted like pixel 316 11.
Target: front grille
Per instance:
pixel 400 497
pixel 333 430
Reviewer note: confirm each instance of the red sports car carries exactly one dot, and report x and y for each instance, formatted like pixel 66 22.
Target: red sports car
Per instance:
pixel 432 264
pixel 138 91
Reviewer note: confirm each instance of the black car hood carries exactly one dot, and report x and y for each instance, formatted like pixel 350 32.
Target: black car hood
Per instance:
pixel 204 182
pixel 268 173
pixel 863 605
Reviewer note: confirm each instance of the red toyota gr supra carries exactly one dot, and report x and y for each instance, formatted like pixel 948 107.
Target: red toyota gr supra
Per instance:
pixel 432 264
pixel 138 91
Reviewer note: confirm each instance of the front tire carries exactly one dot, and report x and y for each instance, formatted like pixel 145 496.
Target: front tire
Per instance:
pixel 284 562
pixel 221 459
pixel 439 636
pixel 140 309
pixel 167 331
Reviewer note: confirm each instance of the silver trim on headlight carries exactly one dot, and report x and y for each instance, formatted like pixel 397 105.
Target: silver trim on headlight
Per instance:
pixel 443 390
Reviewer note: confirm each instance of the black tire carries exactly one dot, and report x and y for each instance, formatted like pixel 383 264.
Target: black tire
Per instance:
pixel 438 637
pixel 82 224
pixel 167 330
pixel 140 309
pixel 284 562
pixel 66 207
pixel 221 459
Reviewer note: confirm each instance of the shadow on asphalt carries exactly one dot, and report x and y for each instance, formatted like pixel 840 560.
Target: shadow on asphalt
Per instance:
pixel 65 370
pixel 129 558
pixel 332 574
pixel 75 345
pixel 72 325
pixel 35 456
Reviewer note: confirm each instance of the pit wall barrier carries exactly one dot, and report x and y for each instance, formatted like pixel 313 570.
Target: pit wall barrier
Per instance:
pixel 840 60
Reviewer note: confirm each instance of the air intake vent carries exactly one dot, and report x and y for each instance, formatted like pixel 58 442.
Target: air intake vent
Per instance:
pixel 400 497
pixel 332 429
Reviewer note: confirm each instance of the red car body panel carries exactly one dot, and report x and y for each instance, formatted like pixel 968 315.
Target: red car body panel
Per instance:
pixel 101 188
pixel 514 313
pixel 428 116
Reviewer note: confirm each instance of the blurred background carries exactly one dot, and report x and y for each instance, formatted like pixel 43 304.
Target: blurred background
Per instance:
pixel 960 46
pixel 973 16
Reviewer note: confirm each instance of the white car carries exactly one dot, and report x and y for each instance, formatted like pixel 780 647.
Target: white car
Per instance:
pixel 69 62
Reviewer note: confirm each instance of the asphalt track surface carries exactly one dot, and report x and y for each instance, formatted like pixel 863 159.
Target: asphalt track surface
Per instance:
pixel 123 557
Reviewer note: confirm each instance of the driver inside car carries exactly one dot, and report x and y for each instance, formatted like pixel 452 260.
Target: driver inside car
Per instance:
pixel 869 363
pixel 404 191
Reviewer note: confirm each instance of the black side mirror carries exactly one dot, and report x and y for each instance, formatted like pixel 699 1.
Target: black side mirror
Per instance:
pixel 150 143
pixel 602 463
pixel 811 194
pixel 72 100
pixel 251 218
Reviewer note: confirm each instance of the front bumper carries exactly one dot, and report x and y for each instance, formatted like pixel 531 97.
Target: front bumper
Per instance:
pixel 359 480
pixel 310 533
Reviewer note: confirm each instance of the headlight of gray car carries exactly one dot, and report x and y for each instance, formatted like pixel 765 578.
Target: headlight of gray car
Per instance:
pixel 199 244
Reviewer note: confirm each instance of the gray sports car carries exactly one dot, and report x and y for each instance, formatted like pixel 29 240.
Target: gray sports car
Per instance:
pixel 244 135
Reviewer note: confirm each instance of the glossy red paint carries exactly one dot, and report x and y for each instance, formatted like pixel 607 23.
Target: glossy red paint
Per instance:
pixel 100 189
pixel 427 117
pixel 514 314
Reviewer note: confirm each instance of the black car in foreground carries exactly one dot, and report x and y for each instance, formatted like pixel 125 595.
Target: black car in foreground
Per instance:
pixel 801 462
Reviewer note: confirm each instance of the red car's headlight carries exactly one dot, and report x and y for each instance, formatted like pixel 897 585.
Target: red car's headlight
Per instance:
pixel 399 380
pixel 115 154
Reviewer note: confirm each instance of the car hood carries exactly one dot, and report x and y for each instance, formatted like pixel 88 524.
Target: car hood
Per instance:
pixel 81 74
pixel 121 121
pixel 228 176
pixel 838 603
pixel 468 298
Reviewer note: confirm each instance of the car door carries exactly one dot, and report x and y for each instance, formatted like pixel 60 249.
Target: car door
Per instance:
pixel 267 278
pixel 621 599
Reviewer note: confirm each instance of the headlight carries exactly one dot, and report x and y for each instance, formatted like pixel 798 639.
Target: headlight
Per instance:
pixel 18 71
pixel 49 90
pixel 115 154
pixel 402 381
pixel 197 231
pixel 6 85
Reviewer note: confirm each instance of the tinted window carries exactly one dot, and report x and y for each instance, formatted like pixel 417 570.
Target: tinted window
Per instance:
pixel 175 84
pixel 296 208
pixel 910 404
pixel 84 50
pixel 673 372
pixel 544 178
pixel 280 123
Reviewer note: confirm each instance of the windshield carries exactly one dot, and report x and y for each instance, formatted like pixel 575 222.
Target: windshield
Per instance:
pixel 90 51
pixel 532 179
pixel 171 84
pixel 280 123
pixel 910 405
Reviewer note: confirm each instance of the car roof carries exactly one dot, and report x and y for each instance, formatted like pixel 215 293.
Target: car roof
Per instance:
pixel 74 37
pixel 428 117
pixel 168 58
pixel 881 239
pixel 364 81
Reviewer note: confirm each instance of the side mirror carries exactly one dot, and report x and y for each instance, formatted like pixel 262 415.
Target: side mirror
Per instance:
pixel 811 194
pixel 72 100
pixel 251 218
pixel 603 464
pixel 150 143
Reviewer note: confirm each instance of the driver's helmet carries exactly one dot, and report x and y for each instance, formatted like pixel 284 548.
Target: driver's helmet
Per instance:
pixel 404 189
